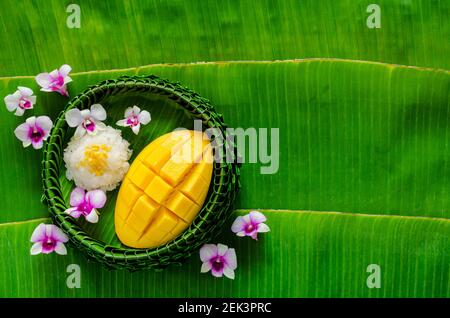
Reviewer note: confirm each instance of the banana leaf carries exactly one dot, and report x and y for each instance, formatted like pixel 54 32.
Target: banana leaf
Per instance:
pixel 367 140
pixel 364 174
pixel 118 34
pixel 307 254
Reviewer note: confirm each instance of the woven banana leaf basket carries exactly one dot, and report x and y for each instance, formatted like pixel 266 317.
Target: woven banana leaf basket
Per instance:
pixel 218 205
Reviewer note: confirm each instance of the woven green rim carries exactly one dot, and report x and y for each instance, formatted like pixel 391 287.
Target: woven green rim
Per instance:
pixel 209 221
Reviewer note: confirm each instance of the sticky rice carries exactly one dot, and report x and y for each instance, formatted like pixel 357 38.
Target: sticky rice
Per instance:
pixel 97 161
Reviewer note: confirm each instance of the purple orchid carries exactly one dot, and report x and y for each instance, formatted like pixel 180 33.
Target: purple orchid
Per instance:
pixel 86 121
pixel 20 100
pixel 34 131
pixel 48 238
pixel 55 81
pixel 134 118
pixel 220 259
pixel 85 204
pixel 250 225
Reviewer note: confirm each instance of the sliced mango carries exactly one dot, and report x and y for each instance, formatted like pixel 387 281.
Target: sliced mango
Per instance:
pixel 164 189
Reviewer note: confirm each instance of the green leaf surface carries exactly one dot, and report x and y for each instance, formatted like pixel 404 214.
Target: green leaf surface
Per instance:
pixel 367 139
pixel 119 34
pixel 354 136
pixel 306 254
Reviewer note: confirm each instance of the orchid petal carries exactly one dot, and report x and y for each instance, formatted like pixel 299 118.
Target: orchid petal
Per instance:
pixel 247 219
pixel 43 80
pixel 85 113
pixel 257 217
pixel 144 117
pixel 122 123
pixel 38 233
pixel 74 117
pixel 47 249
pixel 32 100
pixel 221 249
pixel 98 112
pixel 45 123
pixel 11 103
pixel 136 110
pixel 241 233
pixel 31 121
pixel 263 228
pixel 21 132
pixel 230 258
pixel 54 74
pixel 97 198
pixel 60 248
pixel 19 111
pixel 128 112
pixel 26 143
pixel 73 212
pixel 79 132
pixel 17 94
pixel 67 80
pixel 77 196
pixel 64 70
pixel 238 224
pixel 228 272
pixel 12 98
pixel 92 217
pixel 136 129
pixel 36 248
pixel 216 273
pixel 25 91
pixel 100 126
pixel 36 145
pixel 207 252
pixel 206 266
pixel 58 234
pixel 63 91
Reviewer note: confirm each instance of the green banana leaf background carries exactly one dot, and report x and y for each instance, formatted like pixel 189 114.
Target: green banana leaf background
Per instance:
pixel 364 153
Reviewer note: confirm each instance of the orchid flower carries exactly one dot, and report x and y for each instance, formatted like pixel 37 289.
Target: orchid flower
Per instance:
pixel 86 121
pixel 34 131
pixel 48 238
pixel 55 81
pixel 86 204
pixel 250 225
pixel 20 100
pixel 134 118
pixel 220 259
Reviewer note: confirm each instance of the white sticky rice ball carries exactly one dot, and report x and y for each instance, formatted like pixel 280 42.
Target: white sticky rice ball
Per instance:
pixel 97 161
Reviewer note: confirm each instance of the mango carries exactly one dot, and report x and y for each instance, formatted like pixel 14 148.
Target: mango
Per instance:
pixel 164 189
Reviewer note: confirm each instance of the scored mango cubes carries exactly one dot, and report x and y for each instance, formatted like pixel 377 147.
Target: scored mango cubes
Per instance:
pixel 164 189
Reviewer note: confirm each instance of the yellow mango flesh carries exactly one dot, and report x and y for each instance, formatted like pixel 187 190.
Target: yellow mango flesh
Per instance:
pixel 164 189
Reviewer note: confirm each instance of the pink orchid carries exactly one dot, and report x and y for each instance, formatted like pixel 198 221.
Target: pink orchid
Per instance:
pixel 134 118
pixel 55 81
pixel 20 100
pixel 220 259
pixel 34 131
pixel 48 238
pixel 86 120
pixel 85 204
pixel 250 225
